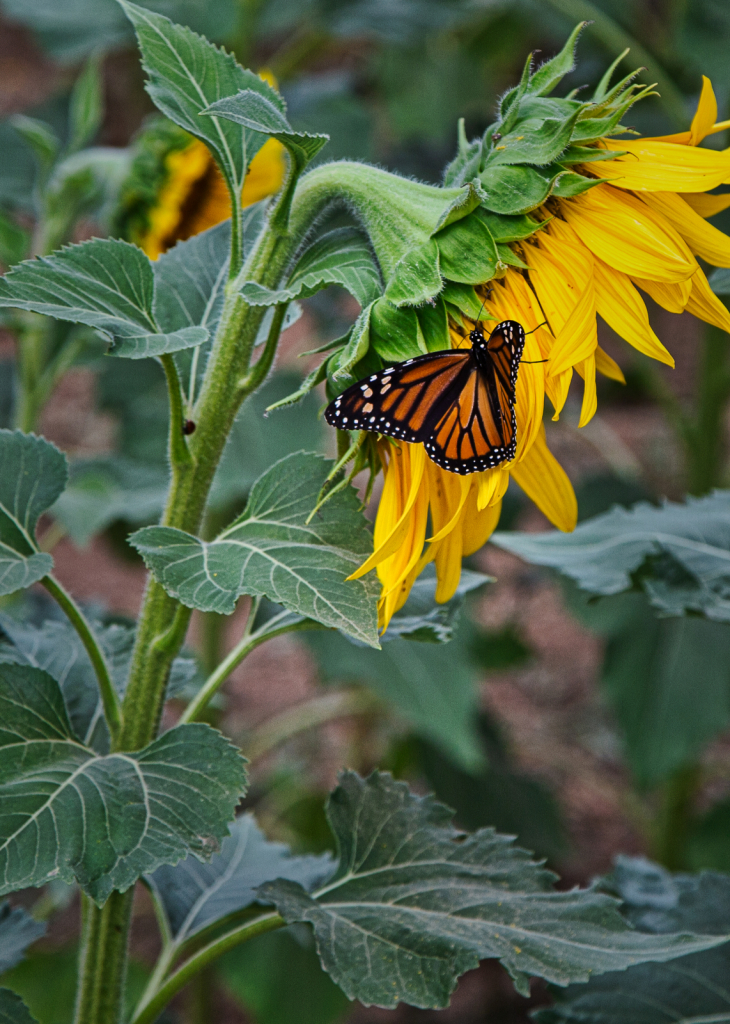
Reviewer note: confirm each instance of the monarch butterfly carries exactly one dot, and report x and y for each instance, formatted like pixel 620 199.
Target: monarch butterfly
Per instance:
pixel 460 403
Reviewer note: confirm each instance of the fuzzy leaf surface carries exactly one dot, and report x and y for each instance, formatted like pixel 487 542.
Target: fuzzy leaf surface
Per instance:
pixel 102 820
pixel 341 257
pixel 683 552
pixel 271 551
pixel 103 283
pixel 414 904
pixel 33 474
pixel 186 75
pixel 195 895
pixel 690 990
pixel 18 930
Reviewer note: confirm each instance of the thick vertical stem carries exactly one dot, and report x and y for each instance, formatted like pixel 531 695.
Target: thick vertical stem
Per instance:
pixel 674 819
pixel 103 966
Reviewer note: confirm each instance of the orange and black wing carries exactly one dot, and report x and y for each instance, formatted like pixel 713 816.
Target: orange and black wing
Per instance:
pixel 404 400
pixel 477 430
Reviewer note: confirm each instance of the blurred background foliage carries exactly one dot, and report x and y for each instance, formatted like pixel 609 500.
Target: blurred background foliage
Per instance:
pixel 388 80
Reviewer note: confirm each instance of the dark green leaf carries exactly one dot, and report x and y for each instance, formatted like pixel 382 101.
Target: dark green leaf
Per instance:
pixel 510 229
pixel 422 619
pixel 355 349
pixel 269 977
pixel 533 141
pixel 431 686
pixel 317 376
pixel 468 252
pixel 683 552
pixel 87 105
pixel 13 1010
pixel 433 321
pixel 40 137
pixel 720 281
pixel 569 184
pixel 416 277
pixel 18 930
pixel 32 475
pixel 101 491
pixel 186 75
pixel 190 279
pixel 194 896
pixel 466 300
pixel 70 813
pixel 394 333
pixel 707 844
pixel 690 990
pixel 14 241
pixel 104 283
pixel 271 551
pixel 414 904
pixel 340 257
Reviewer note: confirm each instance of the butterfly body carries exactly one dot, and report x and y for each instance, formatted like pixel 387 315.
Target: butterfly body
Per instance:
pixel 458 403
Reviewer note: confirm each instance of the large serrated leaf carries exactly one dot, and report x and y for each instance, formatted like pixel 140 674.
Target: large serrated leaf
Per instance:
pixel 18 930
pixel 690 990
pixel 67 812
pixel 533 141
pixel 104 283
pixel 414 904
pixel 56 648
pixel 422 619
pixel 186 75
pixel 683 552
pixel 33 474
pixel 271 551
pixel 194 896
pixel 342 257
pixel 190 280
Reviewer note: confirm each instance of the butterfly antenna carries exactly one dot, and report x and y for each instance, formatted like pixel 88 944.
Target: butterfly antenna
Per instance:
pixel 532 289
pixel 479 314
pixel 543 324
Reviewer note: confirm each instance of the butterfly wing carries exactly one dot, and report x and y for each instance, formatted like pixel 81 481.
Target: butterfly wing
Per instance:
pixel 477 430
pixel 404 400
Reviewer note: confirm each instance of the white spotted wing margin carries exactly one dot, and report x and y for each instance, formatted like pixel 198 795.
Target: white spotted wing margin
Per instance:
pixel 415 903
pixel 273 551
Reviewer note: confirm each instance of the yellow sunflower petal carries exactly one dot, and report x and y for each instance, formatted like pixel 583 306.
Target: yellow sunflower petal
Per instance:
pixel 545 482
pixel 608 366
pixel 557 388
pixel 266 173
pixel 707 206
pixel 492 486
pixel 623 309
pixel 672 297
pixel 448 566
pixel 703 239
pixel 578 338
pixel 461 485
pixel 703 123
pixel 587 370
pixel 704 304
pixel 659 166
pixel 395 504
pixel 626 234
pixel 478 526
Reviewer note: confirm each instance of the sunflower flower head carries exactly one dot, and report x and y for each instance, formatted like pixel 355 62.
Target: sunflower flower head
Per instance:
pixel 559 222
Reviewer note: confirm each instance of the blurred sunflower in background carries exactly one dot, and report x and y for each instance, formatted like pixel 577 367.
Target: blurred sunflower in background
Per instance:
pixel 620 217
pixel 175 190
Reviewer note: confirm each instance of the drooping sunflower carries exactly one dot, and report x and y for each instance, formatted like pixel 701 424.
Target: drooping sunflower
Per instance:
pixel 582 223
pixel 175 190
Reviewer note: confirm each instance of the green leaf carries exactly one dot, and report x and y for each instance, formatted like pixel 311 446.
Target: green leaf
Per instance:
pixel 270 975
pixel 40 137
pixel 466 300
pixel 707 845
pixel 70 813
pixel 14 241
pixel 683 552
pixel 690 990
pixel 433 322
pixel 32 475
pixel 432 687
pixel 569 184
pixel 13 1010
pixel 310 382
pixel 421 618
pixel 341 257
pixel 416 277
pixel 18 930
pixel 510 229
pixel 186 75
pixel 414 904
pixel 87 105
pixel 271 551
pixel 552 72
pixel 532 141
pixel 356 348
pixel 720 281
pixel 104 283
pixel 103 490
pixel 514 190
pixel 194 896
pixel 394 333
pixel 468 252
pixel 650 672
pixel 190 280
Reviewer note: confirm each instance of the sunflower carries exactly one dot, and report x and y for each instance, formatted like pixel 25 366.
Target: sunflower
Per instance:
pixel 635 224
pixel 175 189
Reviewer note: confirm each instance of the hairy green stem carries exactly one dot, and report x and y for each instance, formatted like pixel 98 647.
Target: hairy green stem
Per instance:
pixel 100 993
pixel 109 698
pixel 615 39
pixel 148 1012
pixel 259 371
pixel 162 621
